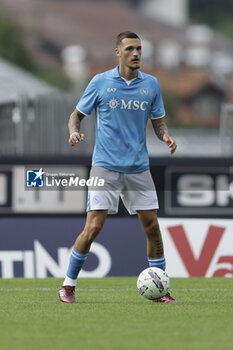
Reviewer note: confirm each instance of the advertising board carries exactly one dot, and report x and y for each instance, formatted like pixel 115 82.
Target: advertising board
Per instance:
pixel 40 247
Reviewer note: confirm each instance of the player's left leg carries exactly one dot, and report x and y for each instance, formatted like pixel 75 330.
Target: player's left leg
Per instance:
pixel 155 250
pixel 139 196
pixel 150 225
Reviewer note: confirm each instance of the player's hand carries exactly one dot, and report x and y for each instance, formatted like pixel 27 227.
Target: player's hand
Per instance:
pixel 75 138
pixel 170 142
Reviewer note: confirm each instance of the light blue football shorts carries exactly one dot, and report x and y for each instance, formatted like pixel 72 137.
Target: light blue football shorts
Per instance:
pixel 137 191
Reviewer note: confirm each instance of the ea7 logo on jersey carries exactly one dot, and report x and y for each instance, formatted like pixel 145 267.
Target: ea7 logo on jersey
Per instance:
pixel 130 105
pixel 111 89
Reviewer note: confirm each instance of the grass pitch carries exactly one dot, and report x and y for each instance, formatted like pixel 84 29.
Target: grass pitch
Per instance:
pixel 110 314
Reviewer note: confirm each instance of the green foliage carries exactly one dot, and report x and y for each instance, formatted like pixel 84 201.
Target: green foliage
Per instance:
pixel 57 78
pixel 215 13
pixel 171 104
pixel 12 45
pixel 14 49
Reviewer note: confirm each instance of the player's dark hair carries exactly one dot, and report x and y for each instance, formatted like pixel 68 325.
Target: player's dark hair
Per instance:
pixel 127 34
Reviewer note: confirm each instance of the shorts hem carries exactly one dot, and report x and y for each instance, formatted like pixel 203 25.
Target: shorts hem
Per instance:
pixel 133 211
pixel 110 211
pixel 146 208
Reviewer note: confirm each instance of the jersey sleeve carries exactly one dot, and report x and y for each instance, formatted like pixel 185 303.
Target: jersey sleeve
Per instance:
pixel 157 107
pixel 89 98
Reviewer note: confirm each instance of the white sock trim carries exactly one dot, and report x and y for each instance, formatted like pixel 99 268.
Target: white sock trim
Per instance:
pixel 69 282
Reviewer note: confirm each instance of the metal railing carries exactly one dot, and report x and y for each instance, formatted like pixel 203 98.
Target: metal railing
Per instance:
pixel 226 130
pixel 39 127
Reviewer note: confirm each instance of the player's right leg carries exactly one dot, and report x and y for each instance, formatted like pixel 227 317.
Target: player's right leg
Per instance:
pixel 94 223
pixel 100 203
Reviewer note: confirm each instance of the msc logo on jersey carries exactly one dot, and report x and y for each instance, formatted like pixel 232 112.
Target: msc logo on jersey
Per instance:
pixel 130 105
pixel 35 178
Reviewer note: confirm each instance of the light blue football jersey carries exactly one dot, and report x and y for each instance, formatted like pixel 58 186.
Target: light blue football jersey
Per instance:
pixel 122 112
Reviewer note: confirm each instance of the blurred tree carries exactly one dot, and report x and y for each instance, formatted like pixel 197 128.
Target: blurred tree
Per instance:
pixel 14 49
pixel 215 13
pixel 171 104
pixel 12 45
pixel 57 78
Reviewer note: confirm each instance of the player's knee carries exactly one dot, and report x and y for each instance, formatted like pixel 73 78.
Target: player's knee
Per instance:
pixel 92 230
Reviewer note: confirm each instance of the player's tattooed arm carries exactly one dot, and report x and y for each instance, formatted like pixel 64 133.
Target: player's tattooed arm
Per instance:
pixel 161 130
pixel 74 127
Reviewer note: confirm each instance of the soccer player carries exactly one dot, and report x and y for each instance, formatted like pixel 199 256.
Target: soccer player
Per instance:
pixel 124 98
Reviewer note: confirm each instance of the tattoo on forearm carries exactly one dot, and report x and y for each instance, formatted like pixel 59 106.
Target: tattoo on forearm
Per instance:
pixel 74 123
pixel 160 130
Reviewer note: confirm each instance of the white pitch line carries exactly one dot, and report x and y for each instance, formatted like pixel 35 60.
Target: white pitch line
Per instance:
pixel 56 289
pixel 109 289
pixel 25 289
pixel 201 289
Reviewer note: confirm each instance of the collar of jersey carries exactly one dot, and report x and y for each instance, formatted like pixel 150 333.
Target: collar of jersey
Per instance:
pixel 116 73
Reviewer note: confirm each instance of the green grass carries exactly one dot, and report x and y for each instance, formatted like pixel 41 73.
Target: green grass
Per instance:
pixel 110 314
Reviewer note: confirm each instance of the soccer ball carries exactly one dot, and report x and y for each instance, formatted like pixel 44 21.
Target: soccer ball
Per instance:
pixel 153 283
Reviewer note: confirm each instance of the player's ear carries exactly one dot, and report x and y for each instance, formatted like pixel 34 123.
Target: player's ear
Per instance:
pixel 117 51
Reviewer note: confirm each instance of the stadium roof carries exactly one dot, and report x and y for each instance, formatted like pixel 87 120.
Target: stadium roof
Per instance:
pixel 15 83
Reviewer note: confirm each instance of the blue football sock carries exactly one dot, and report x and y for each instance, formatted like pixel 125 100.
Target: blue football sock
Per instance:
pixel 76 262
pixel 160 262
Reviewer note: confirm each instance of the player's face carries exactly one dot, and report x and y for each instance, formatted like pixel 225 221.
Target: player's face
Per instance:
pixel 129 53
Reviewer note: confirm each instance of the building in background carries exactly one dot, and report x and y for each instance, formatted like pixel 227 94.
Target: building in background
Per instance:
pixel 16 82
pixel 53 25
pixel 34 116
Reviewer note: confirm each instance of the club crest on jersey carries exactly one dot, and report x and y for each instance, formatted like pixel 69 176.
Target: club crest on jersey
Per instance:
pixel 143 91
